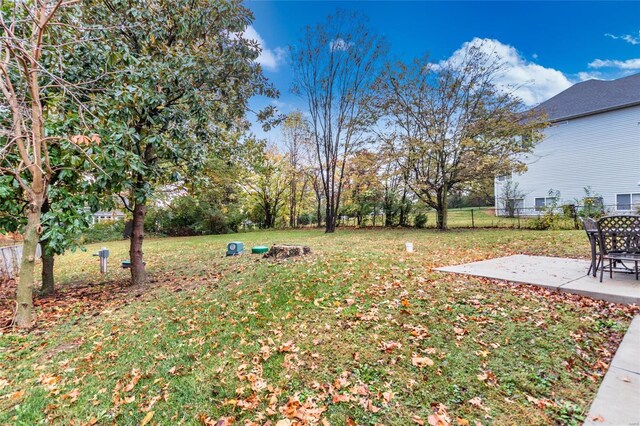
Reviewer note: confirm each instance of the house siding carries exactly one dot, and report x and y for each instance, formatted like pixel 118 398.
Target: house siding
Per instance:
pixel 600 151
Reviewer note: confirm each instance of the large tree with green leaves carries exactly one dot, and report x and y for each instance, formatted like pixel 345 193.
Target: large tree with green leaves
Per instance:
pixel 182 75
pixel 36 39
pixel 66 209
pixel 451 124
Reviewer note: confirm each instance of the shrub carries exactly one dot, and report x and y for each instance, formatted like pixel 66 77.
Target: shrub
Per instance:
pixel 306 219
pixel 550 217
pixel 187 216
pixel 548 220
pixel 421 220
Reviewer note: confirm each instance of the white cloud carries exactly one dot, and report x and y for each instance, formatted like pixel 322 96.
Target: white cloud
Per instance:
pixel 629 64
pixel 633 39
pixel 584 76
pixel 339 44
pixel 533 83
pixel 270 59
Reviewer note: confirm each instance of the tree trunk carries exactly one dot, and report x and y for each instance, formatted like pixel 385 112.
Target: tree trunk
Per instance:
pixel 329 220
pixel 389 214
pixel 402 221
pixel 138 273
pixel 441 212
pixel 267 215
pixel 292 204
pixel 24 293
pixel 48 282
pixel 319 212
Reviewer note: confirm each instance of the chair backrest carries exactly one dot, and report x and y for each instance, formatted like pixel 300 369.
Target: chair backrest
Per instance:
pixel 619 234
pixel 589 224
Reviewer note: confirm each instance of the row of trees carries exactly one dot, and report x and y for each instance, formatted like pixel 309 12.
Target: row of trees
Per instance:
pixel 123 98
pixel 446 126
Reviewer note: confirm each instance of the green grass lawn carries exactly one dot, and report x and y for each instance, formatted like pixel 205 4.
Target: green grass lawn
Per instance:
pixel 359 332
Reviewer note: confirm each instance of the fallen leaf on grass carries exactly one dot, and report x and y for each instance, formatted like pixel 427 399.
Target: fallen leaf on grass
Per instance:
pixel 16 395
pixel 72 395
pixel 134 380
pixel 340 398
pixel 477 402
pixel 541 403
pixel 440 417
pixel 360 390
pixel 389 346
pixel 288 346
pixel 421 361
pixel 372 408
pixel 437 420
pixel 418 420
pixel 146 418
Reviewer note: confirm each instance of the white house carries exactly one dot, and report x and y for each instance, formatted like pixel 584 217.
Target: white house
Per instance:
pixel 593 141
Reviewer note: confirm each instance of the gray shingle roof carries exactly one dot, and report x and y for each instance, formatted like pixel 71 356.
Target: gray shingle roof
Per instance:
pixel 593 96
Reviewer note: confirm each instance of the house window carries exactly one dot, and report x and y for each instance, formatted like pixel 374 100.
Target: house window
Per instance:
pixel 543 202
pixel 513 206
pixel 627 202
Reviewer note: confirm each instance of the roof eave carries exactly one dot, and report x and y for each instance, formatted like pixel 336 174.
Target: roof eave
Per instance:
pixel 599 111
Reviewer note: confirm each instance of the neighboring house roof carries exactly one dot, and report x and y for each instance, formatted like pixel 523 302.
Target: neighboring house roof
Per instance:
pixel 593 97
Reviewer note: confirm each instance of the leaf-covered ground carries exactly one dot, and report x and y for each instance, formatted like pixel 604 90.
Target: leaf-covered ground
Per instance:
pixel 359 332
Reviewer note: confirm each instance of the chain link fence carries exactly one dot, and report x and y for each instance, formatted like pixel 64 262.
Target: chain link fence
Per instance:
pixel 561 217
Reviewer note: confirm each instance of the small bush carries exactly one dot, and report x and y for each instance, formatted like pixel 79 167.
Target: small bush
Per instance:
pixel 551 214
pixel 545 221
pixel 306 219
pixel 592 204
pixel 108 230
pixel 421 220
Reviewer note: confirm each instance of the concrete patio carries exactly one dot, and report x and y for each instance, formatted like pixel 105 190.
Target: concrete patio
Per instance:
pixel 556 273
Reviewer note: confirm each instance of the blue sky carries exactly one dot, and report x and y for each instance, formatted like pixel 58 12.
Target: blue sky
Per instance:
pixel 547 45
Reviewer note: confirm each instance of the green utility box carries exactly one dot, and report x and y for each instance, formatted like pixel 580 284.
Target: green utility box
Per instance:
pixel 259 249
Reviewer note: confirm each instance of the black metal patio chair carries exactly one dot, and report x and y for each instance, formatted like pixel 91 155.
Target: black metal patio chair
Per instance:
pixel 591 229
pixel 619 241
